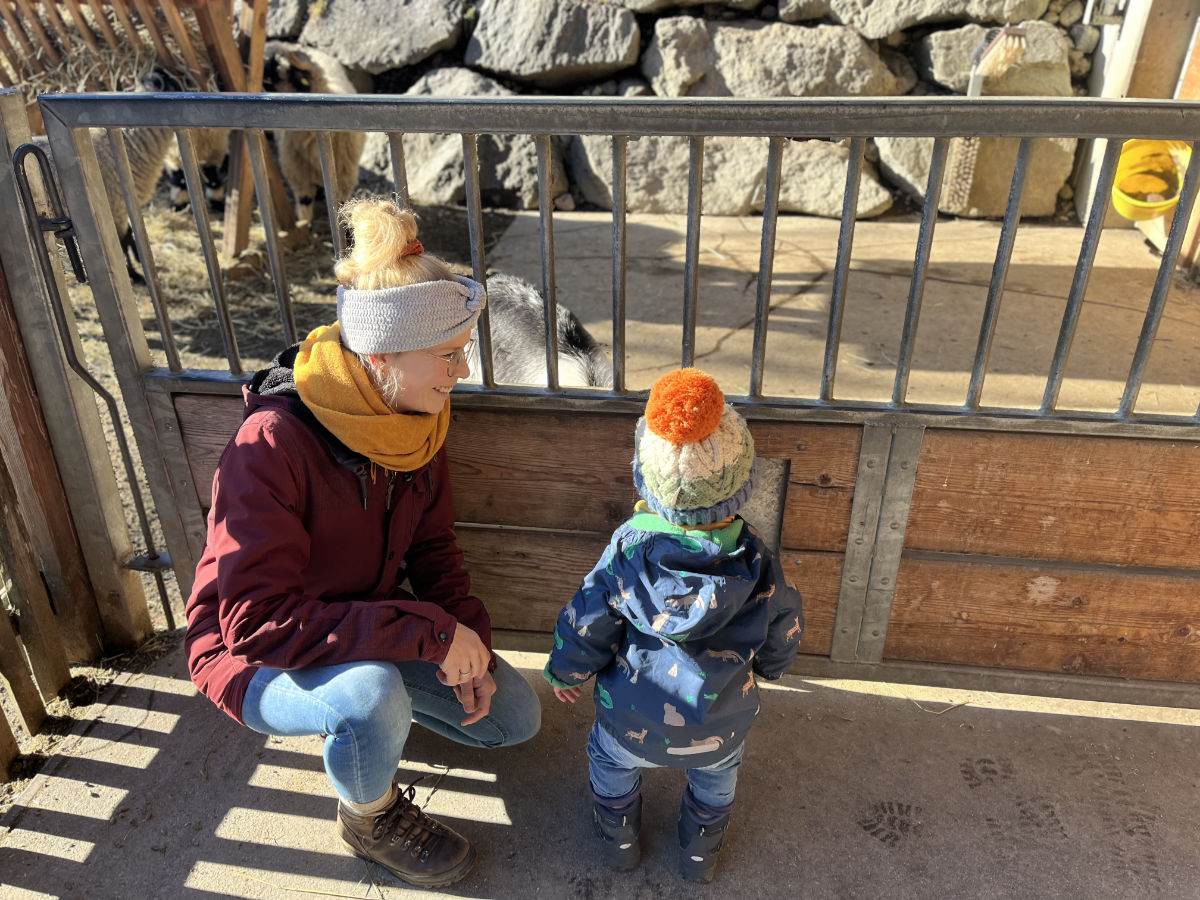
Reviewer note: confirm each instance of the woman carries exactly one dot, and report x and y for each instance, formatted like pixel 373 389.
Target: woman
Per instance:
pixel 331 596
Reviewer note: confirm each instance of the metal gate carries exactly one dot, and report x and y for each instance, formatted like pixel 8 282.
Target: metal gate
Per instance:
pixel 917 567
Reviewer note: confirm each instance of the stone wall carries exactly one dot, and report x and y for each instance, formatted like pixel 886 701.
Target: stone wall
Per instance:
pixel 683 48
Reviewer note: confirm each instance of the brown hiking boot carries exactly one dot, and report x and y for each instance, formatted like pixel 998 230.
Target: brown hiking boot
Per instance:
pixel 408 843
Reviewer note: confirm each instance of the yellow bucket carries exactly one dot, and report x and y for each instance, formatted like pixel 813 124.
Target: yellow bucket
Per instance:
pixel 1149 176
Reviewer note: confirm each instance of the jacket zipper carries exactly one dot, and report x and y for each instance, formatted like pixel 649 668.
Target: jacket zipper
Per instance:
pixel 361 472
pixel 391 484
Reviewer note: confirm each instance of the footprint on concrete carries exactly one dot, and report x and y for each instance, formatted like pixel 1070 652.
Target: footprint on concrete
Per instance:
pixel 891 822
pixel 976 772
pixel 1040 814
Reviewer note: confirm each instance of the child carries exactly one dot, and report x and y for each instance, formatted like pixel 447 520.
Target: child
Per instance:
pixel 684 609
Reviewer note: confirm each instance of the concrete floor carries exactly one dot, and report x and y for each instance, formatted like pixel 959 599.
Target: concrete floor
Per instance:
pixel 849 789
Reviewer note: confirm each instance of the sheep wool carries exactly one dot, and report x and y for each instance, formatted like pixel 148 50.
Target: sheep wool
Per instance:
pixel 693 459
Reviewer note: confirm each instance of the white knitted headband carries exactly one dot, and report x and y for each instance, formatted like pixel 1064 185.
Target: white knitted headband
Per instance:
pixel 391 320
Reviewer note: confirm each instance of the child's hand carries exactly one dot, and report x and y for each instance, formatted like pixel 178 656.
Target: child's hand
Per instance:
pixel 567 695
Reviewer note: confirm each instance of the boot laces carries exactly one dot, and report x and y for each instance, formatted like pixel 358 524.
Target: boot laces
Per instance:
pixel 406 822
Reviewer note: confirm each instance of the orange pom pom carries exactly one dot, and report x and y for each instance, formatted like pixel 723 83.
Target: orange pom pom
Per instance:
pixel 685 406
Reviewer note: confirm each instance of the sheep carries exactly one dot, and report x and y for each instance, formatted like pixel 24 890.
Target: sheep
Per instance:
pixel 516 313
pixel 146 148
pixel 291 70
pixel 212 158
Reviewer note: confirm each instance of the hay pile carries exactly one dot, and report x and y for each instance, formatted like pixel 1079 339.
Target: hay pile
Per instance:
pixel 82 69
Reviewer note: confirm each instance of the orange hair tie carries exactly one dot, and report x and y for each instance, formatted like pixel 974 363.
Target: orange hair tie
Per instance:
pixel 411 248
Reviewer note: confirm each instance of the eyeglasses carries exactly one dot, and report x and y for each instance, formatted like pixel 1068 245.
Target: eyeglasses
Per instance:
pixel 455 359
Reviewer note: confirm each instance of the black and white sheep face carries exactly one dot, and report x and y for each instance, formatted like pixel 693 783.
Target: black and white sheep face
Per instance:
pixel 288 73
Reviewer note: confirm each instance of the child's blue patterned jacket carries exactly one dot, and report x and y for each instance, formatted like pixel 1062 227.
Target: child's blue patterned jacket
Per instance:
pixel 675 623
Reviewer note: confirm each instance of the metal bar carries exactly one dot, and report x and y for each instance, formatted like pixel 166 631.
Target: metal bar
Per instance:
pixel 216 281
pixel 546 221
pixel 691 265
pixel 1162 286
pixel 399 170
pixel 916 289
pixel 329 176
pixel 67 345
pixel 1083 271
pixel 145 253
pixel 889 541
pixel 841 269
pixel 619 198
pixel 478 265
pixel 860 539
pixel 1081 117
pixel 1008 236
pixel 256 143
pixel 766 265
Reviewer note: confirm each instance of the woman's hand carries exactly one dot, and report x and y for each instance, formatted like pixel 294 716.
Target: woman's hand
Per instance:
pixel 476 697
pixel 568 695
pixel 466 660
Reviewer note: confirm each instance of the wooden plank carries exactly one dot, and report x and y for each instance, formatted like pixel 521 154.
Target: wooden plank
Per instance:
pixel 240 197
pixel 217 33
pixel 206 424
pixel 27 595
pixel 14 667
pixel 1073 620
pixel 56 22
pixel 12 56
pixel 817 576
pixel 106 31
pixel 1124 501
pixel 824 464
pixel 146 14
pixel 520 479
pixel 82 26
pixel 175 22
pixel 121 8
pixel 31 57
pixel 25 445
pixel 34 23
pixel 9 749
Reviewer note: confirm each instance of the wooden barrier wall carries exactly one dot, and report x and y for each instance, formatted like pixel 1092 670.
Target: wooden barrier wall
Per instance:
pixel 1034 552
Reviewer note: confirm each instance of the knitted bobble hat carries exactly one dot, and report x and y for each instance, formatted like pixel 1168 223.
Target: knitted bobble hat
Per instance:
pixel 693 458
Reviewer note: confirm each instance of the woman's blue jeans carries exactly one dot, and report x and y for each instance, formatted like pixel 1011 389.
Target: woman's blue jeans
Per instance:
pixel 365 709
pixel 616 774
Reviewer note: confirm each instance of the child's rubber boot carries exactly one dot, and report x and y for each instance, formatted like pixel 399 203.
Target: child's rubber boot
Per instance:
pixel 699 845
pixel 619 830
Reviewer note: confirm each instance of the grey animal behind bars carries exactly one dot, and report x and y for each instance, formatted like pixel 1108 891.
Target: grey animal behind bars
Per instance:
pixel 516 313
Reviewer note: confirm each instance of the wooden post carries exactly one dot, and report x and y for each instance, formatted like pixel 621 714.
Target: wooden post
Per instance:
pixel 35 24
pixel 102 23
pixel 146 13
pixel 121 8
pixel 15 669
pixel 241 180
pixel 18 32
pixel 72 419
pixel 81 24
pixel 179 30
pixel 42 501
pixel 9 749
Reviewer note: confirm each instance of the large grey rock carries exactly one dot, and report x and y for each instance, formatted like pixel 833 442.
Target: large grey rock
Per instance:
pixel 434 165
pixel 884 17
pixel 1043 69
pixel 812 180
pixel 550 43
pixel 643 6
pixel 698 58
pixel 979 172
pixel 800 10
pixel 377 35
pixel 285 18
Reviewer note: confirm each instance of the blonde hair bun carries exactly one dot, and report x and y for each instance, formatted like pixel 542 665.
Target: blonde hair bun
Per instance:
pixel 380 230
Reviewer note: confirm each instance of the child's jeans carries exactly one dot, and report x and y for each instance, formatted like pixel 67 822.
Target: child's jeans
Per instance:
pixel 367 708
pixel 616 774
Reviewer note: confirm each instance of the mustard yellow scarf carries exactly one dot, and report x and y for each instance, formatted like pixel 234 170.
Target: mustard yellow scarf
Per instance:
pixel 332 383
